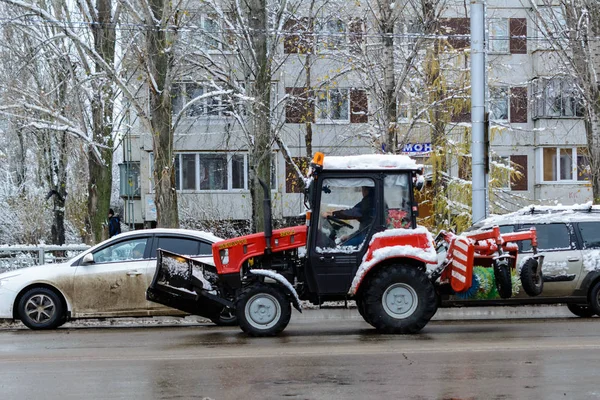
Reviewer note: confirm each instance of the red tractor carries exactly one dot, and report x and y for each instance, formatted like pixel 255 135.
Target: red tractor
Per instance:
pixel 361 242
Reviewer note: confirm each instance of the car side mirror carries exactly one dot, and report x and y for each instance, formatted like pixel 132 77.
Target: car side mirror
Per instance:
pixel 88 259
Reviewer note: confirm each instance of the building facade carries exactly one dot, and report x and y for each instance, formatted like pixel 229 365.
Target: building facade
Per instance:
pixel 327 96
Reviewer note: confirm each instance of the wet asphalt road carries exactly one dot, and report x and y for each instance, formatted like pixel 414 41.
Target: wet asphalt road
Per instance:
pixel 520 359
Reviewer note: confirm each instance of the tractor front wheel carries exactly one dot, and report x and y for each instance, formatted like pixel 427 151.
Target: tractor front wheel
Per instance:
pixel 263 310
pixel 399 299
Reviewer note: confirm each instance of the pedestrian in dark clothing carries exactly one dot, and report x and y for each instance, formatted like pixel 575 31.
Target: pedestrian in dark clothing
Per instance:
pixel 114 224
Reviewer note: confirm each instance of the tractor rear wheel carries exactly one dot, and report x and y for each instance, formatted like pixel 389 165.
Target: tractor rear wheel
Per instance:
pixel 532 284
pixel 399 299
pixel 360 305
pixel 503 279
pixel 263 310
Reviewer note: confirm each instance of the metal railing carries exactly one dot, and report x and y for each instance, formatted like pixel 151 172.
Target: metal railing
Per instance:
pixel 15 257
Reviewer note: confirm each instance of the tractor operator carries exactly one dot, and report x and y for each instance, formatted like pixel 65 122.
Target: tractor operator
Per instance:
pixel 363 212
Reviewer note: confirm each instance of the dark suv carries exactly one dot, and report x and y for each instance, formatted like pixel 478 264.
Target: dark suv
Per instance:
pixel 569 238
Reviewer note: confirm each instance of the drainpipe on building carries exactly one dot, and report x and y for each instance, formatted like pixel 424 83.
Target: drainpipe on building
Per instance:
pixel 478 88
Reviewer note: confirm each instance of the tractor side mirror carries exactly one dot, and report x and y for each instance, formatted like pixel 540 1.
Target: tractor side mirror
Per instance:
pixel 419 181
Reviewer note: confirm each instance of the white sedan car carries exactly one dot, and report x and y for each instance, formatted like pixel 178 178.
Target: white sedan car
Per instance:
pixel 108 280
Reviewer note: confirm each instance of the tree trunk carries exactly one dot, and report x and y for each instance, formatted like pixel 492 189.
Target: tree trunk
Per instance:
pixel 389 79
pixel 159 65
pixel 260 152
pixel 308 60
pixel 100 171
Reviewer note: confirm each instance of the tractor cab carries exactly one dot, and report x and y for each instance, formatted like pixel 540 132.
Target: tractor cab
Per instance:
pixel 350 200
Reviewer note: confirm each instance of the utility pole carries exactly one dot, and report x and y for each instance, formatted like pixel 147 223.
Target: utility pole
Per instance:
pixel 478 88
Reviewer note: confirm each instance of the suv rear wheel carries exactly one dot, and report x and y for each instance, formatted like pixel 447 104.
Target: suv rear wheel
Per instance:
pixel 581 310
pixel 595 298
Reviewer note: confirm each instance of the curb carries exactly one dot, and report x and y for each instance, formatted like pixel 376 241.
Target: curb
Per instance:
pixel 309 315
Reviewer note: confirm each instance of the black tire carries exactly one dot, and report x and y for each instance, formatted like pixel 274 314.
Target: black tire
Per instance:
pixel 502 277
pixel 580 310
pixel 227 317
pixel 41 308
pixel 263 310
pixel 418 300
pixel 532 284
pixel 595 298
pixel 360 305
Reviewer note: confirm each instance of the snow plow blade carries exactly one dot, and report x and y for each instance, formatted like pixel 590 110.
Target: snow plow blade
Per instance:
pixel 181 282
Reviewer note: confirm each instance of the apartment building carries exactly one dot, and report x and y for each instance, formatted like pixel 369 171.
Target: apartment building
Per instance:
pixel 324 86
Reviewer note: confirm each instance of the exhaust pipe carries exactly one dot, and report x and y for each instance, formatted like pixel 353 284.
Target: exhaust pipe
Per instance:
pixel 267 216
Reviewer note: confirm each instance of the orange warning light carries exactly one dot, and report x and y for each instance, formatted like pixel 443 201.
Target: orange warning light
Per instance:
pixel 318 158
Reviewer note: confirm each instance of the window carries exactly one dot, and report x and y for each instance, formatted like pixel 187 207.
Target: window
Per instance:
pixel 351 200
pixel 565 164
pixel 550 237
pixel 498 35
pixel 396 200
pixel 332 105
pixel 210 171
pixel 410 31
pixel 122 251
pixel 590 234
pixel 552 28
pixel 501 171
pixel 294 183
pixel 508 104
pixel 210 106
pixel 407 106
pixel 331 34
pixel 238 171
pixel 213 171
pixel 458 31
pixel 498 104
pixel 521 181
pixel 179 245
pixel 556 98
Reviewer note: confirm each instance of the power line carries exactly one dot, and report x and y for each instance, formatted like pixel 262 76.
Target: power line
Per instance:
pixel 121 26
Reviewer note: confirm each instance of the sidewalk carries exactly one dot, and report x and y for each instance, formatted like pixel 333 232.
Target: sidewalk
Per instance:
pixel 334 314
pixel 451 314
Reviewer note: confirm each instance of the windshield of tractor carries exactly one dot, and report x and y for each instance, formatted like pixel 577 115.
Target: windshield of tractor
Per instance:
pixel 347 214
pixel 396 197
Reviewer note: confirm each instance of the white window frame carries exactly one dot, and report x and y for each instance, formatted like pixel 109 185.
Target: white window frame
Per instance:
pixel 506 89
pixel 557 166
pixel 321 43
pixel 328 119
pixel 499 44
pixel 555 19
pixel 230 189
pixel 540 88
pixel 183 91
